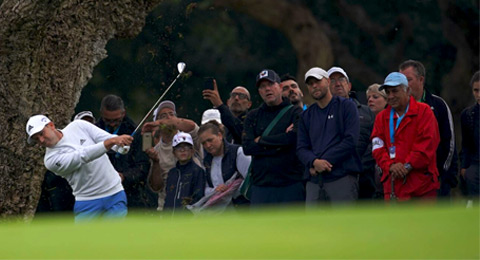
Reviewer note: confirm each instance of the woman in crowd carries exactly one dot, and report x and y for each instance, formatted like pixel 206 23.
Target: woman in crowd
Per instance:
pixel 377 100
pixel 222 160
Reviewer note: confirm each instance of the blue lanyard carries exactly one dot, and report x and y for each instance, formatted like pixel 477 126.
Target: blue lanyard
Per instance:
pixel 114 132
pixel 392 130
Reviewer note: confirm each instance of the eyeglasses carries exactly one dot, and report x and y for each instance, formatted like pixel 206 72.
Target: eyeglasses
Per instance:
pixel 112 121
pixel 339 80
pixel 239 95
pixel 182 148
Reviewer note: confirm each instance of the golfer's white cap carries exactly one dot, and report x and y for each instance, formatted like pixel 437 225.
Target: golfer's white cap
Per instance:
pixel 211 114
pixel 35 124
pixel 182 137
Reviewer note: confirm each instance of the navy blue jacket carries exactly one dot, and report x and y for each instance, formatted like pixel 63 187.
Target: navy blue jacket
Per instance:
pixel 185 185
pixel 274 162
pixel 331 134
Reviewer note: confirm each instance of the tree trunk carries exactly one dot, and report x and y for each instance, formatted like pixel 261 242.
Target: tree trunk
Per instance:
pixel 297 23
pixel 48 50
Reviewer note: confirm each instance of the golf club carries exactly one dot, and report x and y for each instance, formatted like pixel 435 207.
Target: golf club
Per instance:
pixel 180 67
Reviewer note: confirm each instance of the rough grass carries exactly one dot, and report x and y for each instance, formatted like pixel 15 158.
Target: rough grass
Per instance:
pixel 434 232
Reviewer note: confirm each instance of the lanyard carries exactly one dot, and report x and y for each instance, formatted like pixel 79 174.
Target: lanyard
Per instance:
pixel 107 128
pixel 392 130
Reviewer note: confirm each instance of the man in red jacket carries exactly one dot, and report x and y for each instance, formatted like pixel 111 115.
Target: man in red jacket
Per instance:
pixel 405 138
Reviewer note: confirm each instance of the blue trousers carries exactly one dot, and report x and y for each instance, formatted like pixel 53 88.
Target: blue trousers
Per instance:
pixel 114 206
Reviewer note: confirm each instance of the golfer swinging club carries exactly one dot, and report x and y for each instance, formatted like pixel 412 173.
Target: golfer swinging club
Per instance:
pixel 78 154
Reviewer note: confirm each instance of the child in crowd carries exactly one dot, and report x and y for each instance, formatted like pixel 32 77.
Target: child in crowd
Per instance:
pixel 186 181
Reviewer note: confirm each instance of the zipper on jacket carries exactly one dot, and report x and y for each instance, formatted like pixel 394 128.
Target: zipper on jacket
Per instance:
pixel 177 194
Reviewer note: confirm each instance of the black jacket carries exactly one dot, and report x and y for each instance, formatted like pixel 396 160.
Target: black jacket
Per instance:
pixel 470 136
pixel 364 146
pixel 232 123
pixel 447 158
pixel 229 163
pixel 134 166
pixel 274 159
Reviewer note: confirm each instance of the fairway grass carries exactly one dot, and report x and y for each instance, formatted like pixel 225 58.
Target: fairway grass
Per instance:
pixel 407 232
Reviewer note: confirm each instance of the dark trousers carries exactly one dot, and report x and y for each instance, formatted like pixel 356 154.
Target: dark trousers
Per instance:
pixel 472 180
pixel 341 191
pixel 262 195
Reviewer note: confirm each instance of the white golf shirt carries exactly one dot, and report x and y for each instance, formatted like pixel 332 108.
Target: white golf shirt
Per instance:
pixel 80 157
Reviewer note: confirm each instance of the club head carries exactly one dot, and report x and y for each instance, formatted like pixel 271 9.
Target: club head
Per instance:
pixel 181 66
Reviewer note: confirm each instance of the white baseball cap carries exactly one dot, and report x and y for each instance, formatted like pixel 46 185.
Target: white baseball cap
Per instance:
pixel 164 104
pixel 317 73
pixel 35 124
pixel 182 137
pixel 211 114
pixel 337 70
pixel 83 114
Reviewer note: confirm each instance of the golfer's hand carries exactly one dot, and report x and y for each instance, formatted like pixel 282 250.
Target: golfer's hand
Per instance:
pixel 221 188
pixel 213 95
pixel 398 171
pixel 313 172
pixel 462 172
pixel 121 176
pixel 321 165
pixel 122 140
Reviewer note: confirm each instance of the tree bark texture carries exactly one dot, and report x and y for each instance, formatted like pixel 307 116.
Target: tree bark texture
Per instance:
pixel 308 38
pixel 48 50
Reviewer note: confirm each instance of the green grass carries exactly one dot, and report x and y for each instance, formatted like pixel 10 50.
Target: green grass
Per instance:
pixel 361 232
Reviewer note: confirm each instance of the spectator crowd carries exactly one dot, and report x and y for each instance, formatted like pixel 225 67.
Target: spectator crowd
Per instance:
pixel 400 146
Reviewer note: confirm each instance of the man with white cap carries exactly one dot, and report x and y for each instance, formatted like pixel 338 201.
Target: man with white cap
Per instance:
pixel 270 135
pixel 328 133
pixel 85 115
pixel 161 156
pixel 78 154
pixel 405 138
pixel 341 86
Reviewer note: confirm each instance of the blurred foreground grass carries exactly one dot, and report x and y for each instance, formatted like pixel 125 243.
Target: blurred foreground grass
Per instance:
pixel 360 232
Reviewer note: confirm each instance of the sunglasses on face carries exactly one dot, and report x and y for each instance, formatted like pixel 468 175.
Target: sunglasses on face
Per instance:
pixel 239 95
pixel 112 121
